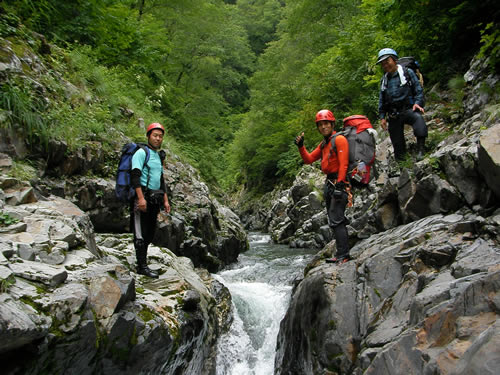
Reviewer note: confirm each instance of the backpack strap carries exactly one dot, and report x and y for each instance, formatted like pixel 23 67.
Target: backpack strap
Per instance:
pixel 333 146
pixel 324 142
pixel 410 84
pixel 408 77
pixel 145 165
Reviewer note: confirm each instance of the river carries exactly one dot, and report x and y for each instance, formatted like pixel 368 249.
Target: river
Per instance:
pixel 260 284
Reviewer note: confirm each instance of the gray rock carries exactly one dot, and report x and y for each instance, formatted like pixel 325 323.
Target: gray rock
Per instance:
pixel 108 295
pixel 20 324
pixel 6 274
pixel 54 256
pixel 191 300
pixel 489 157
pixel 25 251
pixel 411 300
pixel 481 358
pixel 478 257
pixel 35 271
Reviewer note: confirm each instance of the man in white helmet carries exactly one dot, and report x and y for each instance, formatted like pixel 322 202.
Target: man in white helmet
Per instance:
pixel 401 101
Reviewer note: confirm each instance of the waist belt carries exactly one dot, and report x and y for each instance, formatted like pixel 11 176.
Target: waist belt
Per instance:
pixel 332 176
pixel 397 107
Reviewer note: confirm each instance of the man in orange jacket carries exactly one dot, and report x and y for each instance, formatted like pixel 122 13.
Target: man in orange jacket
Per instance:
pixel 334 163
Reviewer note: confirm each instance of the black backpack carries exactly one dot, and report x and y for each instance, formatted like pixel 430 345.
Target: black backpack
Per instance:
pixel 413 64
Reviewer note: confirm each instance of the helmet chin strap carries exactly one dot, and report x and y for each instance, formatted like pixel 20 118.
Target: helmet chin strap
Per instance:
pixel 151 146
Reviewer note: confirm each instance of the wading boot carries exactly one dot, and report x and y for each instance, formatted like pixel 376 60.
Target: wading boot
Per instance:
pixel 341 259
pixel 143 269
pixel 142 266
pixel 420 148
pixel 342 242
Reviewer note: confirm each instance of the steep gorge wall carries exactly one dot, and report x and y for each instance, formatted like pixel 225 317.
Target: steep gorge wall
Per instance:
pixel 421 295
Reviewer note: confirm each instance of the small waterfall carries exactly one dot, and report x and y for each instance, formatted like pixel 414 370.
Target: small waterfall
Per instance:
pixel 260 284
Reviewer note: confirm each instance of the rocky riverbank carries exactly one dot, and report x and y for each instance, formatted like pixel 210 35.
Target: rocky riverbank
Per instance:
pixel 71 301
pixel 421 295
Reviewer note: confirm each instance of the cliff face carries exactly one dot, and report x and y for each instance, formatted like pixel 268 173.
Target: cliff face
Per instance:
pixel 421 295
pixel 70 300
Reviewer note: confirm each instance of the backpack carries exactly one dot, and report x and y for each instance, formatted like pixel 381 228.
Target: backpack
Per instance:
pixel 410 62
pixel 123 190
pixel 360 135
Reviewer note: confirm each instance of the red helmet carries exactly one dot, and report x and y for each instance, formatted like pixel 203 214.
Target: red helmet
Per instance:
pixel 325 114
pixel 153 126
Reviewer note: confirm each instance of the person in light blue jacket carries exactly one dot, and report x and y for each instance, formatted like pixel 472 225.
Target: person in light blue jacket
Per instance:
pixel 147 180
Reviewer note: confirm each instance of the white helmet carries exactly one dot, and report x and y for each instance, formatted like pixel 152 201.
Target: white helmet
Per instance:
pixel 384 53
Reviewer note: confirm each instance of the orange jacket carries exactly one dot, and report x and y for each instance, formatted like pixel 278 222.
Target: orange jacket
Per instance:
pixel 334 163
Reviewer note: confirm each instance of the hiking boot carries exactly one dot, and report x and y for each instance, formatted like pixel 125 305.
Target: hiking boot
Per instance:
pixel 420 155
pixel 341 259
pixel 420 148
pixel 146 271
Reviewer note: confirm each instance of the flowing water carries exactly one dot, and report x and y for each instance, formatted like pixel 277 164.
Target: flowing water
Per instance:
pixel 260 284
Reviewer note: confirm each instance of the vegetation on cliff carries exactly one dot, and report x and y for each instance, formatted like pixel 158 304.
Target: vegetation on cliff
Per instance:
pixel 233 81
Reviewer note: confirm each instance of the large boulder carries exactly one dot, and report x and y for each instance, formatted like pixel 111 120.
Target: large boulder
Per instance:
pixel 419 298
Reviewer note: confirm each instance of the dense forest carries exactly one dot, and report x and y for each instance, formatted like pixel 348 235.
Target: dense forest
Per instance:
pixel 232 81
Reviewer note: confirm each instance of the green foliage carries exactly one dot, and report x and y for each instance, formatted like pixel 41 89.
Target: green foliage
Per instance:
pixel 22 170
pixel 442 33
pixel 22 110
pixel 146 314
pixel 33 13
pixel 406 163
pixel 9 24
pixel 457 86
pixel 259 18
pixel 233 81
pixel 5 284
pixel 490 40
pixel 436 137
pixel 287 90
pixel 6 219
pixel 434 163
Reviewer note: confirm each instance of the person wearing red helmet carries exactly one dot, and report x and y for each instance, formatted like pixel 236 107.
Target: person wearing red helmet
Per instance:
pixel 334 163
pixel 151 195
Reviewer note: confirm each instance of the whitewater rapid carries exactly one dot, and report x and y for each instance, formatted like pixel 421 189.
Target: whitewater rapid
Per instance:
pixel 260 284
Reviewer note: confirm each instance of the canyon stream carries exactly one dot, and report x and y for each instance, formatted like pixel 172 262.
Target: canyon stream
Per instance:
pixel 260 284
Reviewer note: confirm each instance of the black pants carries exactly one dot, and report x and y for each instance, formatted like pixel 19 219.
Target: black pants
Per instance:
pixel 143 226
pixel 396 129
pixel 335 209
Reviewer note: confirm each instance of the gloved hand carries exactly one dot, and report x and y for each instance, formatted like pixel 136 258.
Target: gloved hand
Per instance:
pixel 299 141
pixel 341 185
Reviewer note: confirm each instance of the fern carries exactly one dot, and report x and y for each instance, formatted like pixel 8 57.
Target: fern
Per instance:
pixel 20 109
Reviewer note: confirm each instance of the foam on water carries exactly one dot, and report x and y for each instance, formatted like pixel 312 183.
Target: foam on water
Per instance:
pixel 260 286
